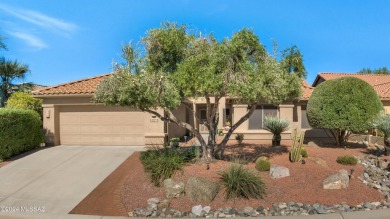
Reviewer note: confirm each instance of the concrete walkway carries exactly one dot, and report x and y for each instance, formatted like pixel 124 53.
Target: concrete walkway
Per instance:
pixel 55 180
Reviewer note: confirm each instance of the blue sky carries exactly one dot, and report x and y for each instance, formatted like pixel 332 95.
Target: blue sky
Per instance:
pixel 69 40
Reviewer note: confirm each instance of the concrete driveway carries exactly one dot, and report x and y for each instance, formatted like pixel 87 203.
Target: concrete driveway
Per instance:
pixel 55 180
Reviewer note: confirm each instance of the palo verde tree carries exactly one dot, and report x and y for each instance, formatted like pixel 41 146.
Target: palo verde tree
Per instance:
pixel 171 66
pixel 343 105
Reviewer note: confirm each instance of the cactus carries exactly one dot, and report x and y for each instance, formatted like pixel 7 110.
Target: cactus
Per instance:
pixel 295 152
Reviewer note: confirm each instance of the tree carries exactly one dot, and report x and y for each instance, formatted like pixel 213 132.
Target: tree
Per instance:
pixel 20 100
pixel 2 44
pixel 343 105
pixel 9 70
pixel 382 70
pixel 173 66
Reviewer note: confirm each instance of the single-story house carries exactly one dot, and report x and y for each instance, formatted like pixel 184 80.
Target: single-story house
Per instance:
pixel 71 118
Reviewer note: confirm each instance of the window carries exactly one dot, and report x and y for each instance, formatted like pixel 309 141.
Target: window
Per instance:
pixel 257 118
pixel 203 115
pixel 226 116
pixel 304 121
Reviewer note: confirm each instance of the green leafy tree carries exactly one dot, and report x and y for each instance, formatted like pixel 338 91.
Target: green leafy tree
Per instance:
pixel 382 70
pixel 343 105
pixel 20 100
pixel 171 66
pixel 9 70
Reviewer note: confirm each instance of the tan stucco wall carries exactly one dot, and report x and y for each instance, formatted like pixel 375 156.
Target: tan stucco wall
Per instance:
pixel 175 130
pixel 154 127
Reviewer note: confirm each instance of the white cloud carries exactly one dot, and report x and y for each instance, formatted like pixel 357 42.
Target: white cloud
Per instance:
pixel 41 20
pixel 30 39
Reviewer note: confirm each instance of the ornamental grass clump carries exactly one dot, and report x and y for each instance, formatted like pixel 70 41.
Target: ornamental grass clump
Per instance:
pixel 276 126
pixel 162 163
pixel 347 160
pixel 240 182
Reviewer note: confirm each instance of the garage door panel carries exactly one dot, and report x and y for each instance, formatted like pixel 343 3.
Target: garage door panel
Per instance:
pixel 98 125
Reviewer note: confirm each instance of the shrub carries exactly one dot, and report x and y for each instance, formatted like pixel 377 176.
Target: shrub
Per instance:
pixel 21 130
pixel 304 153
pixel 276 126
pixel 162 163
pixel 241 183
pixel 263 164
pixel 342 105
pixel 240 138
pixel 347 160
pixel 20 100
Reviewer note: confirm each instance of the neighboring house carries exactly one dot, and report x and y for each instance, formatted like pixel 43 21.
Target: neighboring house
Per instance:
pixel 71 118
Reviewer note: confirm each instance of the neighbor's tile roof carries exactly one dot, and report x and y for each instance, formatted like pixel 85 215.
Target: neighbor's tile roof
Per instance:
pixel 380 83
pixel 84 86
pixel 306 90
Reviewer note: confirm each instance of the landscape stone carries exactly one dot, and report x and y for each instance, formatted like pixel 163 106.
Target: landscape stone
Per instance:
pixel 197 210
pixel 164 204
pixel 207 209
pixel 278 171
pixel 201 190
pixel 383 163
pixel 337 181
pixel 312 144
pixel 173 189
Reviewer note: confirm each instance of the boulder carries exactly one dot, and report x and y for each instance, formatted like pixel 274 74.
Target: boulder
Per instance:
pixel 173 189
pixel 383 163
pixel 201 190
pixel 277 171
pixel 337 181
pixel 197 210
pixel 312 144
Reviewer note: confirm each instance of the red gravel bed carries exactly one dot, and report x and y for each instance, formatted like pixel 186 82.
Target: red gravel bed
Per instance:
pixel 304 185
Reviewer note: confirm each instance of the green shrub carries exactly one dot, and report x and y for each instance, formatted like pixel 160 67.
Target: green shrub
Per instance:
pixel 304 153
pixel 382 123
pixel 161 164
pixel 276 126
pixel 342 105
pixel 347 160
pixel 263 164
pixel 239 138
pixel 20 100
pixel 241 183
pixel 21 130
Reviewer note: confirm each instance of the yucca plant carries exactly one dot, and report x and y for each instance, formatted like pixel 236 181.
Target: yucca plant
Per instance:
pixel 382 123
pixel 276 126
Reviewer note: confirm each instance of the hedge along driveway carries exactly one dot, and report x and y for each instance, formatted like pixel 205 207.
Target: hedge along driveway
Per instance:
pixel 58 178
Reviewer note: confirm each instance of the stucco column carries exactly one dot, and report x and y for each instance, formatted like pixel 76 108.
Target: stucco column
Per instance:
pixel 239 110
pixel 51 124
pixel 286 111
pixel 221 109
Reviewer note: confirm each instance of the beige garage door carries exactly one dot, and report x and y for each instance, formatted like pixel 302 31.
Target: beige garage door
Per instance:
pixel 100 125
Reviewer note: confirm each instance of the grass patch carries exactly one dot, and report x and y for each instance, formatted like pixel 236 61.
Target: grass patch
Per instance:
pixel 240 182
pixel 347 160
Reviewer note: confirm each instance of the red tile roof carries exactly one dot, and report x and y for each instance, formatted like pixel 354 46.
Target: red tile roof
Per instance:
pixel 380 83
pixel 89 85
pixel 306 90
pixel 83 86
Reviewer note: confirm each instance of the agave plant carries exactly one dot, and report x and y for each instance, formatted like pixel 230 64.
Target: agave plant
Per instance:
pixel 276 126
